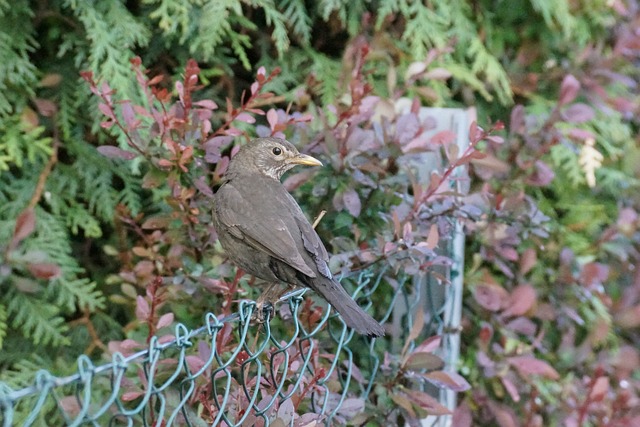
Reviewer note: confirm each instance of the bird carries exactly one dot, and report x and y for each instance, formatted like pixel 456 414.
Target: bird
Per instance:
pixel 264 232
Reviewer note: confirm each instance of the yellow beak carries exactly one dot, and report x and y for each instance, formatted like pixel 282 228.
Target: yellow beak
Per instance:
pixel 303 159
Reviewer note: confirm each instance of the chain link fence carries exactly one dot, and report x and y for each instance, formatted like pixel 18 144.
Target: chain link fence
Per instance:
pixel 302 368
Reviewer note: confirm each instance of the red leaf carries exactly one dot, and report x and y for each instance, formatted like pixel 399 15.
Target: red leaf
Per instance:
pixel 155 80
pixel 272 118
pixel 429 345
pixel 599 389
pixel 246 118
pixel 142 308
pixel 528 260
pixel 521 300
pixel 131 395
pixel 433 237
pixel 448 380
pixel 568 90
pixel 45 107
pixel 511 389
pixel 504 415
pixel 165 320
pixel 207 104
pixel 129 115
pixel 195 363
pixel 43 270
pixel 462 416
pixel 437 74
pixel 419 360
pixel 401 401
pixel 443 137
pixel 419 143
pixel 529 365
pixel 106 110
pixel 428 402
pixel 130 344
pixel 116 153
pixel 233 132
pixel 25 225
pixel 474 131
pixel 70 405
pixel 490 296
pixel 594 273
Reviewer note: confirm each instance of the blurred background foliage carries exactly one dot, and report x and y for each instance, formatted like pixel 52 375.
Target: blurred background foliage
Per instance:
pixel 551 260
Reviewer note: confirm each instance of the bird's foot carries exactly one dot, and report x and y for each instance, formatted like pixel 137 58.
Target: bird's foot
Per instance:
pixel 264 311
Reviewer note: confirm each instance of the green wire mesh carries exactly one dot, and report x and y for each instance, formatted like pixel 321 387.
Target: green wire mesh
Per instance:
pixel 261 379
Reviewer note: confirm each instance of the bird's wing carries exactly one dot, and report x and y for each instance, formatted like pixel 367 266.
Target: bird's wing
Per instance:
pixel 313 244
pixel 271 235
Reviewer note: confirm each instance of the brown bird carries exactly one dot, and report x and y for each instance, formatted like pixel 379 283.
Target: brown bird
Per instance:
pixel 265 233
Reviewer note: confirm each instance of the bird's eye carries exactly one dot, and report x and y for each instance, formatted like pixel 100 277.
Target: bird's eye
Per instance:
pixel 277 151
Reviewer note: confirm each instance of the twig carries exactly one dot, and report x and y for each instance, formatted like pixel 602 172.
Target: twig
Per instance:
pixel 42 179
pixel 319 218
pixel 95 339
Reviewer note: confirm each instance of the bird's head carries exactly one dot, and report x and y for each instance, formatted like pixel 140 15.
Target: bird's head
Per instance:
pixel 269 156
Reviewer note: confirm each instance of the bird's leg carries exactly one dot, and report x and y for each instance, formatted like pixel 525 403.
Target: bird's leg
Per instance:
pixel 266 301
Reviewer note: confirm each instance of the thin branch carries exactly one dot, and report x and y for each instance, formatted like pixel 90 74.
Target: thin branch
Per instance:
pixel 42 179
pixel 319 218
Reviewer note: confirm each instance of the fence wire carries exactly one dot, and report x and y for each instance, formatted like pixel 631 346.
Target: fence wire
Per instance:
pixel 230 371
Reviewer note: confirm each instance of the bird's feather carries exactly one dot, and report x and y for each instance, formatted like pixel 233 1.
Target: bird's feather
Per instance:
pixel 272 236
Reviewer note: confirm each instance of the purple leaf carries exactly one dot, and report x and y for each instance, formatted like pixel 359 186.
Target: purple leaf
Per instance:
pixel 202 186
pixel 517 120
pixel 129 115
pixel 407 126
pixel 542 175
pixel 579 113
pixel 581 134
pixel 568 90
pixel 116 153
pixel 352 202
pixel 351 407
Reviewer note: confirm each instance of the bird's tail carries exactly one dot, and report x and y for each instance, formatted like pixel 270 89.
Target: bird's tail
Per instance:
pixel 354 316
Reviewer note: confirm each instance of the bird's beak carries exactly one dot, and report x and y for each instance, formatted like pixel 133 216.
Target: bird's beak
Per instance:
pixel 303 159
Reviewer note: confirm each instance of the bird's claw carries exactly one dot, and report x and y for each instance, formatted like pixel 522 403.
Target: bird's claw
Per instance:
pixel 264 311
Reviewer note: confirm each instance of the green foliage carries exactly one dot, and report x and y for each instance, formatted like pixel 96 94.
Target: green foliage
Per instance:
pixel 18 75
pixel 89 254
pixel 22 142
